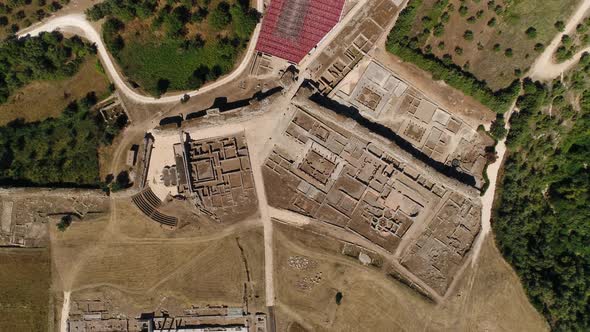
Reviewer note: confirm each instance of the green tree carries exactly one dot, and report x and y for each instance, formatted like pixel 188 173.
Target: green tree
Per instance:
pixel 468 35
pixel 64 223
pixel 243 21
pixel 531 33
pixel 220 17
pixel 560 26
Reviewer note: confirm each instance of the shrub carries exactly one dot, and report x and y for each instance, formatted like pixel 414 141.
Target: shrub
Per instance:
pixel 439 29
pixel 497 129
pixel 468 35
pixel 463 10
pixel 244 21
pixel 491 4
pixel 220 17
pixel 531 33
pixel 64 223
pixel 560 26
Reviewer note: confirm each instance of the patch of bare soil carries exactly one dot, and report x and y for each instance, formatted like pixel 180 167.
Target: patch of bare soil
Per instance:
pixel 488 296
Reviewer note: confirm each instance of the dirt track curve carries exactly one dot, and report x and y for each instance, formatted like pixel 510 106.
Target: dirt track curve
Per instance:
pixel 78 23
pixel 544 68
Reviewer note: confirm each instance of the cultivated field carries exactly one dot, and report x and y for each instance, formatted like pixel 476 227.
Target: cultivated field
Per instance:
pixel 25 276
pixel 43 99
pixel 495 40
pixel 487 297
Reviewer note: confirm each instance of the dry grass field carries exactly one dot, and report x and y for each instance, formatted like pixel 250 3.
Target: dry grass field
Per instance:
pixel 498 22
pixel 130 259
pixel 488 296
pixel 132 223
pixel 25 276
pixel 43 99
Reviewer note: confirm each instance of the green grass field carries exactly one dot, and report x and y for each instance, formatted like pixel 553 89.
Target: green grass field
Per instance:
pixel 25 277
pixel 147 62
pixel 178 46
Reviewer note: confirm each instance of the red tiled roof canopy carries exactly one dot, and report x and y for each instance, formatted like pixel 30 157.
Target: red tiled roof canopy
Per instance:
pixel 291 28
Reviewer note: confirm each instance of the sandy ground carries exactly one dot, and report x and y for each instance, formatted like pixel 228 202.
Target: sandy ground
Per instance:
pixel 289 216
pixel 544 68
pixel 162 156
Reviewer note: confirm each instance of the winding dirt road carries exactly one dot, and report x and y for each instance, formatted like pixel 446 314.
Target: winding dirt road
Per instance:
pixel 78 23
pixel 544 68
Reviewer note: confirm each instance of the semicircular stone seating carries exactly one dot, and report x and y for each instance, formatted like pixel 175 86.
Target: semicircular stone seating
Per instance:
pixel 148 203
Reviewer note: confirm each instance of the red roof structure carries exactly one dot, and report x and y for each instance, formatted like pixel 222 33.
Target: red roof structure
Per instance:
pixel 291 28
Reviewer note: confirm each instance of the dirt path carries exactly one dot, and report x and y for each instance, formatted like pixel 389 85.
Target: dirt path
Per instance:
pixel 77 23
pixel 487 200
pixel 65 312
pixel 289 216
pixel 544 68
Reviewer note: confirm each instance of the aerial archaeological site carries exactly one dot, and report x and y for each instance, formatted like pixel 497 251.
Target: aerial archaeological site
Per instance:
pixel 294 165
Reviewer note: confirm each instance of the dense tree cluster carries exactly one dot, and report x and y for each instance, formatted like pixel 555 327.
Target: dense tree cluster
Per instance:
pixel 48 56
pixel 59 151
pixel 175 22
pixel 542 223
pixel 401 43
